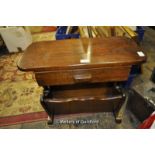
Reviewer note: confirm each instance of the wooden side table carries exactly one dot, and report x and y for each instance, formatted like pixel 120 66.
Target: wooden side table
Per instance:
pixel 82 75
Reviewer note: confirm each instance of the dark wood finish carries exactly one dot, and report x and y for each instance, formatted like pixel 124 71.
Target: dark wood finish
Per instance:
pixel 82 98
pixel 93 75
pixel 72 85
pixel 66 54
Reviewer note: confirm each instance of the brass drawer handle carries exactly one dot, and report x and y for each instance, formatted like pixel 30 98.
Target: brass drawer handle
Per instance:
pixel 82 78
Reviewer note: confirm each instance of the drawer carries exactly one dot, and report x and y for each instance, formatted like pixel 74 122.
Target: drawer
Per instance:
pixel 94 75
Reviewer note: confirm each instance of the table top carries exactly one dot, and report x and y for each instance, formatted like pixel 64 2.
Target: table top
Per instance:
pixel 81 54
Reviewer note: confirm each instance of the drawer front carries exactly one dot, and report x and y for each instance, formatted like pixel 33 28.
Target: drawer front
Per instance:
pixel 82 76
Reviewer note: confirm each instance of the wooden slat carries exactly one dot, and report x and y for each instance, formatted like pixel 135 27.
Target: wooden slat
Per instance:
pixel 68 29
pixel 94 31
pixel 100 31
pixel 119 31
pixel 83 32
pixel 89 32
pixel 106 31
pixel 130 32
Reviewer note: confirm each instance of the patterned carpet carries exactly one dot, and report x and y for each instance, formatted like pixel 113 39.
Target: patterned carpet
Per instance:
pixel 19 92
pixel 17 89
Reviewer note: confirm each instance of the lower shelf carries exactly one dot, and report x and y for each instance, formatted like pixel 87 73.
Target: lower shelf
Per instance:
pixel 79 99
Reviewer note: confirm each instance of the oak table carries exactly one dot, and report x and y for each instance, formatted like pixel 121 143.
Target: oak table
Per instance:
pixel 82 75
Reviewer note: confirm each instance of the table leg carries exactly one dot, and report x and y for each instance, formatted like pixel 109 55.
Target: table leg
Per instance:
pixel 50 119
pixel 120 112
pixel 50 115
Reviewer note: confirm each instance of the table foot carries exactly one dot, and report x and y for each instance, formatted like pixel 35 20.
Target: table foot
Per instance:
pixel 50 120
pixel 119 113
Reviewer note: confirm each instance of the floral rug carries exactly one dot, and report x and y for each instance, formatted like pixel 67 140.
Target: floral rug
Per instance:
pixel 19 93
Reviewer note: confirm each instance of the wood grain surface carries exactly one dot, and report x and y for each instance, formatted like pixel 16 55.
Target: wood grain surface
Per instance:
pixel 82 98
pixel 74 71
pixel 67 54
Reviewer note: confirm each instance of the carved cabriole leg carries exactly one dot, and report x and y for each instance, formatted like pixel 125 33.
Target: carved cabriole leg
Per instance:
pixel 119 113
